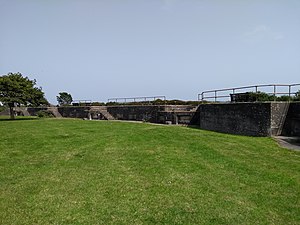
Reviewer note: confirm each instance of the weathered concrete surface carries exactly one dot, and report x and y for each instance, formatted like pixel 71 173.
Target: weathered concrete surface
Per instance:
pixel 5 112
pixel 292 143
pixel 292 122
pixel 74 112
pixel 251 119
pixel 279 112
pixel 138 113
pixel 54 111
pixel 175 114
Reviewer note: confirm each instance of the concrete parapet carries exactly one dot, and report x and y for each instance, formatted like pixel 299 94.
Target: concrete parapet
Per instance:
pixel 253 119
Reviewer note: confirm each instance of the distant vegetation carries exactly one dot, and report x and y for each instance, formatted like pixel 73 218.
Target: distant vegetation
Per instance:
pixel 64 98
pixel 156 102
pixel 240 97
pixel 262 97
pixel 45 114
pixel 2 108
pixel 16 90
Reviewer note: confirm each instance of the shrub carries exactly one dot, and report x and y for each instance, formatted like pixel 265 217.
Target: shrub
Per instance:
pixel 97 103
pixel 2 108
pixel 297 96
pixel 284 98
pixel 45 114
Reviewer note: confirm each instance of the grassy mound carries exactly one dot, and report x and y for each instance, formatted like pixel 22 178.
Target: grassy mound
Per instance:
pixel 99 172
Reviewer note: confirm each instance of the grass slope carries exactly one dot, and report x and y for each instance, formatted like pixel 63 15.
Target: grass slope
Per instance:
pixel 98 172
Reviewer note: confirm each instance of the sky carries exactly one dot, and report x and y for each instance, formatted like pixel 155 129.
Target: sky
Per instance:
pixel 99 49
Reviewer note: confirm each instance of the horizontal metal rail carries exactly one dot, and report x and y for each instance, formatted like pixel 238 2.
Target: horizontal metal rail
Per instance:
pixel 82 102
pixel 219 93
pixel 136 99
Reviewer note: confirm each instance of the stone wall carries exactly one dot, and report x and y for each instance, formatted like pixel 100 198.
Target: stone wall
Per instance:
pixel 74 111
pixel 138 113
pixel 5 112
pixel 34 110
pixel 174 114
pixel 278 116
pixel 292 122
pixel 151 113
pixel 253 119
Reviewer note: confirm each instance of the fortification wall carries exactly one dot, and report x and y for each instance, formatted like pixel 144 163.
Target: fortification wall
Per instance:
pixel 253 119
pixel 151 113
pixel 292 122
pixel 279 112
pixel 175 114
pixel 138 113
pixel 34 110
pixel 74 111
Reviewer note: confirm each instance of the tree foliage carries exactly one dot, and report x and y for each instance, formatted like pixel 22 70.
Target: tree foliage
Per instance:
pixel 18 90
pixel 297 96
pixel 263 97
pixel 64 98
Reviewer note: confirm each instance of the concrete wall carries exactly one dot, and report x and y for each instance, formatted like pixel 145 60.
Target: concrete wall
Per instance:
pixel 151 113
pixel 278 115
pixel 292 122
pixel 253 119
pixel 71 112
pixel 138 113
pixel 5 112
pixel 74 111
pixel 175 114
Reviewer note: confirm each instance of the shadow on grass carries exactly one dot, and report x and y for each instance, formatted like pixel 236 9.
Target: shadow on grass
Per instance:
pixel 18 118
pixel 194 127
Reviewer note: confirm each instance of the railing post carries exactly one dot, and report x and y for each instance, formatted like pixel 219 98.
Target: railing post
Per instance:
pixel 215 96
pixel 289 92
pixel 274 93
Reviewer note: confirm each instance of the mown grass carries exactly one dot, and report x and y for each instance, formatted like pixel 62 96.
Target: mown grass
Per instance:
pixel 98 172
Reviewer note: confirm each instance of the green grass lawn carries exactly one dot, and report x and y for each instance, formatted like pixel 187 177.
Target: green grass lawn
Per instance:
pixel 64 171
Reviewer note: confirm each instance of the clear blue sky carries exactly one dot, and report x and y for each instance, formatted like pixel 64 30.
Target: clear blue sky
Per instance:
pixel 96 49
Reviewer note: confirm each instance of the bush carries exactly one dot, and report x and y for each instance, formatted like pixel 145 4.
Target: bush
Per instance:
pixel 97 104
pixel 262 96
pixel 2 108
pixel 297 96
pixel 284 98
pixel 45 114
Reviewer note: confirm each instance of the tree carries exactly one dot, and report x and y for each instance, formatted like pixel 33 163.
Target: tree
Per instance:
pixel 64 98
pixel 297 96
pixel 18 90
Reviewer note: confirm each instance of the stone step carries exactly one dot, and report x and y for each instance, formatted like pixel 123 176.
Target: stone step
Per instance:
pixel 103 111
pixel 107 115
pixel 55 111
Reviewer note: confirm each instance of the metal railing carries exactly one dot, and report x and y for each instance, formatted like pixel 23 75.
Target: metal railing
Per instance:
pixel 227 92
pixel 136 99
pixel 81 102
